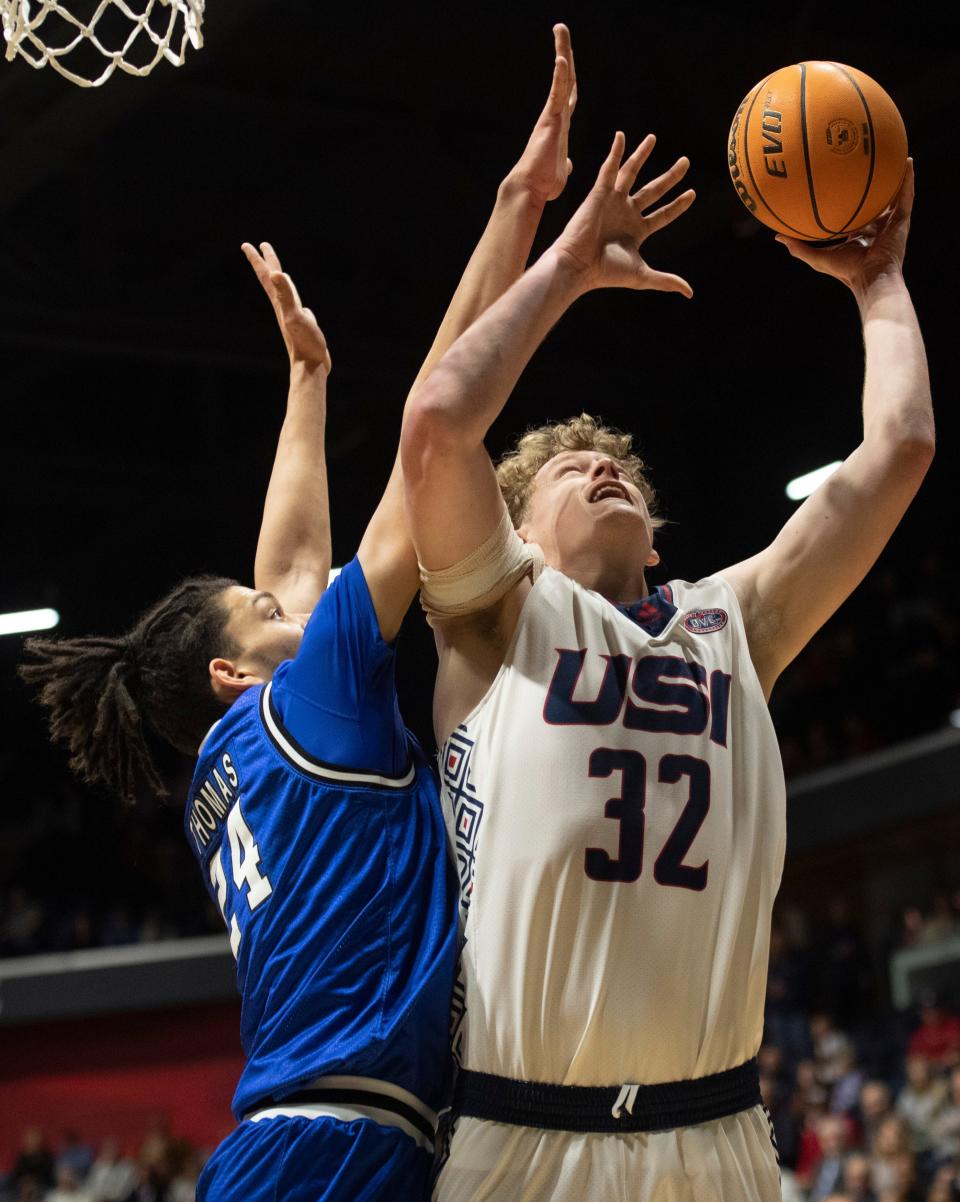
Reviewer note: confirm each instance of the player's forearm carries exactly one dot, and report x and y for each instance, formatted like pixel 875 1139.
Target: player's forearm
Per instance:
pixel 497 261
pixel 896 394
pixel 293 550
pixel 471 384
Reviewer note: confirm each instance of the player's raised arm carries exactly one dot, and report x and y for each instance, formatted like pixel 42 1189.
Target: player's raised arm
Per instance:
pixel 826 548
pixel 453 499
pixel 293 550
pixel 386 552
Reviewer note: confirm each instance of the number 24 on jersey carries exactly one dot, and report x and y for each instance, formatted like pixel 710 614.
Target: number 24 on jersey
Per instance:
pixel 244 861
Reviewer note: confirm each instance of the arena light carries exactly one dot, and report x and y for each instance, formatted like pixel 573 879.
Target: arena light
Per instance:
pixel 803 486
pixel 28 619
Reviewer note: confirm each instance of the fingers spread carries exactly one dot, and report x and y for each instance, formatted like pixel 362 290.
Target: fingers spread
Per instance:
pixel 254 258
pixel 270 256
pixel 628 172
pixel 655 188
pixel 669 212
pixel 607 176
pixel 259 266
pixel 286 292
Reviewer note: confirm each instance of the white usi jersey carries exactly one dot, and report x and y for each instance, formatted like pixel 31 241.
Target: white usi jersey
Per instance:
pixel 618 809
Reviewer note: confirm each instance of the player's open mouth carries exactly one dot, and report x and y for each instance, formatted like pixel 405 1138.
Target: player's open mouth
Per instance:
pixel 609 488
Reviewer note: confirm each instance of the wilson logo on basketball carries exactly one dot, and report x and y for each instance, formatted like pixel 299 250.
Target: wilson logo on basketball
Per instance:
pixel 705 621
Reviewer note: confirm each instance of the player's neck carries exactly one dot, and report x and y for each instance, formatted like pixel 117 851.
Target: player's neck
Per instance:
pixel 621 583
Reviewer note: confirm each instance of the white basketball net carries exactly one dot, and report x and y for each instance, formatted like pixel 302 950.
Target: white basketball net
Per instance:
pixel 144 44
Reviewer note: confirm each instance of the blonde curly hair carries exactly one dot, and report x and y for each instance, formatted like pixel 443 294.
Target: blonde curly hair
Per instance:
pixel 517 469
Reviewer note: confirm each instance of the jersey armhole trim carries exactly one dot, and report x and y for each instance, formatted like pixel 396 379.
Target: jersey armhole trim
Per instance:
pixel 753 674
pixel 291 751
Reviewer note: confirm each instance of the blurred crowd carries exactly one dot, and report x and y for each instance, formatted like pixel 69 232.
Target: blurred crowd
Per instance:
pixel 163 1169
pixel 865 1101
pixel 146 886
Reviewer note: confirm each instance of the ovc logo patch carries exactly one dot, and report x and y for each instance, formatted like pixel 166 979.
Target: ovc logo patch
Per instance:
pixel 705 621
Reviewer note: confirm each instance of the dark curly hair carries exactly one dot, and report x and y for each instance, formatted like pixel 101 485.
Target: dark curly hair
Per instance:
pixel 101 692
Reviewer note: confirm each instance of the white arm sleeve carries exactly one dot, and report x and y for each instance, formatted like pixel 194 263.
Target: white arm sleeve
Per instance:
pixel 483 577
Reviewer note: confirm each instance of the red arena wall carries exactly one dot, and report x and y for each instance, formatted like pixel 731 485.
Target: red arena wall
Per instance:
pixel 112 1075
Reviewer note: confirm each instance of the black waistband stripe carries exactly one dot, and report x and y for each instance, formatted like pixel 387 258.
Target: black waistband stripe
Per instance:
pixel 351 1097
pixel 626 1108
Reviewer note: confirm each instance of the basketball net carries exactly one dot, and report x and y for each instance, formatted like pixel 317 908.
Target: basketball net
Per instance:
pixel 149 40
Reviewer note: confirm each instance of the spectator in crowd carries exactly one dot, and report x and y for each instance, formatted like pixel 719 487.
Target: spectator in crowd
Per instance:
pixel 845 1096
pixel 20 923
pixel 68 1187
pixel 911 926
pixel 892 1142
pixel 945 1186
pixel 876 1104
pixel 942 922
pixel 112 1176
pixel 828 1175
pixel 857 1179
pixel 903 1185
pixel 29 1190
pixel 832 1049
pixel 938 1036
pixel 920 1101
pixel 35 1160
pixel 810 1091
pixel 945 1128
pixel 809 1105
pixel 74 1154
pixel 184 1184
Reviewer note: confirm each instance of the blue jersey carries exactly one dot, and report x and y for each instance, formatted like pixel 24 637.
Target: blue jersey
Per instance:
pixel 316 821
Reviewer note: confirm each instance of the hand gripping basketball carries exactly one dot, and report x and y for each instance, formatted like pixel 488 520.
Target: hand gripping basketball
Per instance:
pixel 603 238
pixel 876 250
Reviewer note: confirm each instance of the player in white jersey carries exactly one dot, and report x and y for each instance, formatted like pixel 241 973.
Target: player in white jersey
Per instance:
pixel 611 771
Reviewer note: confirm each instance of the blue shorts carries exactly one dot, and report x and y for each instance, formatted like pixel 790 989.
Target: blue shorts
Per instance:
pixel 297 1159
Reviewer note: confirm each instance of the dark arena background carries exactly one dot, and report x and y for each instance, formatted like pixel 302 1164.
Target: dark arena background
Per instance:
pixel 143 385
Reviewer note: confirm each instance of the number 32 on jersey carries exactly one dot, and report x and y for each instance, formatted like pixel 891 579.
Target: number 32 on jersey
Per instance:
pixel 244 861
pixel 628 809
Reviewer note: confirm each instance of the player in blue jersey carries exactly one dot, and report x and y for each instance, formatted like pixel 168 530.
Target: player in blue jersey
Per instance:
pixel 312 812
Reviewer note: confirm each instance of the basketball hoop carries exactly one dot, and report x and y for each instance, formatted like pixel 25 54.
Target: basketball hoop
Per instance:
pixel 144 31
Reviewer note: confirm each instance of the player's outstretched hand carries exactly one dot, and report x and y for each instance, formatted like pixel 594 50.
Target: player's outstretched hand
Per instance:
pixel 302 335
pixel 876 250
pixel 544 165
pixel 603 238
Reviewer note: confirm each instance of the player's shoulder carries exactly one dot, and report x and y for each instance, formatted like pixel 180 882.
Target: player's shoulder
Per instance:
pixel 349 586
pixel 346 605
pixel 707 605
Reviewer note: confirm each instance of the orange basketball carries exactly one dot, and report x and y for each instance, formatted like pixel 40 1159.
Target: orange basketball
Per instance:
pixel 817 150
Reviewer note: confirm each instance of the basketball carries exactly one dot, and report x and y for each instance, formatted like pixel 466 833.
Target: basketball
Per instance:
pixel 817 150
